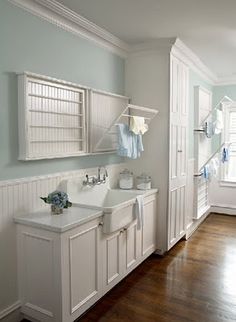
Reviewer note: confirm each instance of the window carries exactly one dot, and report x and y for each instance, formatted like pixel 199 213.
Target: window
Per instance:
pixel 229 135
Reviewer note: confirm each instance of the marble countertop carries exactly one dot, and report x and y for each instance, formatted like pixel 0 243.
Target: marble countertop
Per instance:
pixel 71 217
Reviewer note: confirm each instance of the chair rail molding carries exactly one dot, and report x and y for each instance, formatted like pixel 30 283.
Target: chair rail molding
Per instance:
pixel 57 14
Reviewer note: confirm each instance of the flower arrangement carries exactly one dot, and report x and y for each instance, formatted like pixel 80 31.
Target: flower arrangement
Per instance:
pixel 58 200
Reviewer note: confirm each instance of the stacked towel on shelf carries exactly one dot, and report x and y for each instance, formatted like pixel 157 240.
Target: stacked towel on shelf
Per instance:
pixel 137 125
pixel 130 145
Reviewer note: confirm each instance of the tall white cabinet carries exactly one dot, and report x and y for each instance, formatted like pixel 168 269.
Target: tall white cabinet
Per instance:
pixel 178 143
pixel 157 76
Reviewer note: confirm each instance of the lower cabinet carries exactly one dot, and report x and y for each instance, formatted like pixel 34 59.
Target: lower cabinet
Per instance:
pixel 61 275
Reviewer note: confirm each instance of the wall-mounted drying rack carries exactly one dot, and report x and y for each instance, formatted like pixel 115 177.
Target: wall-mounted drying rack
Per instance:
pixel 224 144
pixel 129 111
pixel 203 129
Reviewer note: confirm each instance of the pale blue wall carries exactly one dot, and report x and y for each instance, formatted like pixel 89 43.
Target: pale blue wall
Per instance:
pixel 31 44
pixel 194 80
pixel 221 91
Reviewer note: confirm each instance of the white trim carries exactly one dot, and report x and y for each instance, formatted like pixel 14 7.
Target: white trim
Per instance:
pixel 10 309
pixel 57 14
pixel 61 16
pixel 193 61
pixel 226 80
pixel 224 209
pixel 226 183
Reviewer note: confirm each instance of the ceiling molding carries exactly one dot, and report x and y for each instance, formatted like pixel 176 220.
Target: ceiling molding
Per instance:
pixel 226 80
pixel 194 62
pixel 160 44
pixel 59 15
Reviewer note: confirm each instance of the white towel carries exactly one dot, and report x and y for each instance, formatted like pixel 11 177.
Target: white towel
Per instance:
pixel 139 210
pixel 214 166
pixel 219 124
pixel 137 125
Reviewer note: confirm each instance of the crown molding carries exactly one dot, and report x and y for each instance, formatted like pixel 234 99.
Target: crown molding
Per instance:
pixel 160 44
pixel 226 80
pixel 57 14
pixel 193 61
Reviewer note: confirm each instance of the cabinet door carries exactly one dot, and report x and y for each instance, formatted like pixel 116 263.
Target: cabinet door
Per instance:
pixel 132 251
pixel 178 151
pixel 104 110
pixel 81 273
pixel 113 258
pixel 148 244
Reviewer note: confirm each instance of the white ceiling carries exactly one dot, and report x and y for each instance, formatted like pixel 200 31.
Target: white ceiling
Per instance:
pixel 208 27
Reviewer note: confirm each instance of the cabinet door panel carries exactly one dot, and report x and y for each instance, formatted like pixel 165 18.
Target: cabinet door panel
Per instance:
pixel 113 259
pixel 84 267
pixel 131 245
pixel 149 228
pixel 178 151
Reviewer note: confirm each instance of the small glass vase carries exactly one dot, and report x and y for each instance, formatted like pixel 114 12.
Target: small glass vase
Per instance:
pixel 56 210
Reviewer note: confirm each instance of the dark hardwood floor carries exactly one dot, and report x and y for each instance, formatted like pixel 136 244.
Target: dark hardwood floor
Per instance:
pixel 195 281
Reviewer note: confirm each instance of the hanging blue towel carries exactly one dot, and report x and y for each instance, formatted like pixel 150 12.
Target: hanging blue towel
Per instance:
pixel 130 145
pixel 206 172
pixel 225 155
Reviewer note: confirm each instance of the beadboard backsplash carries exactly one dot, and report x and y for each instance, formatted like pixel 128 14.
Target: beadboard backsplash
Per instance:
pixel 22 196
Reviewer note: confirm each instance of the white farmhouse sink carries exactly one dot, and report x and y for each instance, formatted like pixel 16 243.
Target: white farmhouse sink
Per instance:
pixel 117 205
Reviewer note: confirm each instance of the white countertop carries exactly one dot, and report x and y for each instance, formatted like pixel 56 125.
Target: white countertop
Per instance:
pixel 70 218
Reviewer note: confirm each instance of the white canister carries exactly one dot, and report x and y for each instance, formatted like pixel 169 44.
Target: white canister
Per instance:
pixel 126 179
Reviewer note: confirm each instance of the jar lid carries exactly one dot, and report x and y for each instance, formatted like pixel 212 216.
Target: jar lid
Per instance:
pixel 144 176
pixel 126 171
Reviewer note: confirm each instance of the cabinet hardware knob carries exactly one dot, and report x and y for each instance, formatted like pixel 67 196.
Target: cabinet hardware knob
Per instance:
pixel 180 151
pixel 100 224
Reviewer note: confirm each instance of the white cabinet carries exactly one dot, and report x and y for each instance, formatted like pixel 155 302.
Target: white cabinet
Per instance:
pixel 161 73
pixel 148 232
pixel 62 274
pixel 178 151
pixel 59 274
pixel 113 251
pixel 81 269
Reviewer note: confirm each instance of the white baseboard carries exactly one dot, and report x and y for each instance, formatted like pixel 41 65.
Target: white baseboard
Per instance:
pixel 223 209
pixel 11 313
pixel 195 224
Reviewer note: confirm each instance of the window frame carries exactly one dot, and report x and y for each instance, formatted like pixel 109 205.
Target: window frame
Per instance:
pixel 227 107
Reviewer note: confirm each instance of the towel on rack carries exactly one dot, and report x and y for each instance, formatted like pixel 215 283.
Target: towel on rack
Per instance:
pixel 138 125
pixel 214 167
pixel 206 172
pixel 209 129
pixel 225 155
pixel 130 145
pixel 139 211
pixel 219 124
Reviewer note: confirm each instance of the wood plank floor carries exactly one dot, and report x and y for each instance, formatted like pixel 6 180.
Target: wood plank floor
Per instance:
pixel 195 281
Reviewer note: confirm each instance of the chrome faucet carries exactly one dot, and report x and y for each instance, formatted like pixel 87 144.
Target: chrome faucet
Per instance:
pixel 92 181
